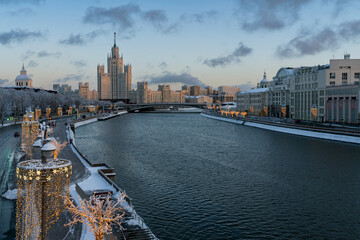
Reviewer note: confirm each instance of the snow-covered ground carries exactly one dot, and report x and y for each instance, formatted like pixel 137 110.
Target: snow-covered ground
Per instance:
pixel 78 124
pixel 300 132
pixel 10 194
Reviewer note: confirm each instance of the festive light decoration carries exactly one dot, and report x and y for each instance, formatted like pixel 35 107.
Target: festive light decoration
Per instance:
pixel 41 188
pixel 60 111
pixel 266 110
pixel 37 114
pixel 283 111
pixel 237 113
pixel 251 108
pixel 70 111
pixel 314 112
pixel 48 112
pixel 97 213
pixel 29 132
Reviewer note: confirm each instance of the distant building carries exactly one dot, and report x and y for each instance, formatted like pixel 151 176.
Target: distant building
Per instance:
pixel 64 89
pixel 162 95
pixel 86 93
pixel 186 88
pixel 23 80
pixel 198 99
pixel 195 91
pixel 114 85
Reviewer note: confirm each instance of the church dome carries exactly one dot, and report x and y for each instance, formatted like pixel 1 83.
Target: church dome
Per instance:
pixel 264 80
pixel 23 75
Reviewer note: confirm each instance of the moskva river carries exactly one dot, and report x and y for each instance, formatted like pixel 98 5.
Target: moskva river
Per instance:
pixel 195 178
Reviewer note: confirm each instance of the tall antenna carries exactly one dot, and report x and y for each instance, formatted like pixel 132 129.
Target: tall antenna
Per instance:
pixel 114 39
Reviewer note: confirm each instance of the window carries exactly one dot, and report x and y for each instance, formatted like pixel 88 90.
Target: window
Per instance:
pixel 332 82
pixel 344 76
pixel 357 75
pixel 332 75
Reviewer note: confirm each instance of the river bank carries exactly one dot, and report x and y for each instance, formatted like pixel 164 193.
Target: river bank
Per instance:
pixel 327 134
pixel 101 179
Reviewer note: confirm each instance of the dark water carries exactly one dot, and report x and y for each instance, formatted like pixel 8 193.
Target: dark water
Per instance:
pixel 195 178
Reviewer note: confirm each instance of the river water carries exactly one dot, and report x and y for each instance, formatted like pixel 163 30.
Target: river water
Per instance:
pixel 196 178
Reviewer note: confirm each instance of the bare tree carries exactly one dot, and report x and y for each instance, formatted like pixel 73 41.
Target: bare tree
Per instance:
pixel 97 213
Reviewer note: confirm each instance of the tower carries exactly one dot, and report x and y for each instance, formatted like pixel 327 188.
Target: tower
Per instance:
pixel 23 80
pixel 116 83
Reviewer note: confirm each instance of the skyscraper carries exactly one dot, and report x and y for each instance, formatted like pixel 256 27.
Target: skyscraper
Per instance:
pixel 116 83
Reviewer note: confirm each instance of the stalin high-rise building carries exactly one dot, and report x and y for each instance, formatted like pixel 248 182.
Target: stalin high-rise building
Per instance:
pixel 114 85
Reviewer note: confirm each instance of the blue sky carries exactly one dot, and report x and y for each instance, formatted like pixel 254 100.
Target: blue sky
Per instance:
pixel 228 42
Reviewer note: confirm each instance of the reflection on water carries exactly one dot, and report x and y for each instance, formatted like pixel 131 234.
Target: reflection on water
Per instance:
pixel 195 178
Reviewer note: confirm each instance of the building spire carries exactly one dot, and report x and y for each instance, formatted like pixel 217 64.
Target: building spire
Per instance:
pixel 114 39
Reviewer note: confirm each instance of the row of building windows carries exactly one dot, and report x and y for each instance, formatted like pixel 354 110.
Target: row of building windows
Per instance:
pixel 344 75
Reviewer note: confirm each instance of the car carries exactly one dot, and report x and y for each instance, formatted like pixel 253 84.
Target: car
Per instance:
pixel 16 134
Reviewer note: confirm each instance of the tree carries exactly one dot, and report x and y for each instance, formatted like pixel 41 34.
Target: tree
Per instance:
pixel 98 214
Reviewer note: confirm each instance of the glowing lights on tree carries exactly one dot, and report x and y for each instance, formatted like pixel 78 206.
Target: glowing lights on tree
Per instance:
pixel 60 111
pixel 99 214
pixel 29 132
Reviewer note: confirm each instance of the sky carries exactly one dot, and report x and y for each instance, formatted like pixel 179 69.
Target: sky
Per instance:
pixel 202 42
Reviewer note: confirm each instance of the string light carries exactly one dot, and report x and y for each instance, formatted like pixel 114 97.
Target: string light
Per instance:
pixel 41 188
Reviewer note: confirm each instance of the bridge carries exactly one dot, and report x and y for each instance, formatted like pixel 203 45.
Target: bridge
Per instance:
pixel 153 106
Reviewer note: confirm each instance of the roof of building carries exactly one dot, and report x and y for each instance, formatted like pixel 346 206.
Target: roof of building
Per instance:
pixel 255 90
pixel 264 80
pixel 23 75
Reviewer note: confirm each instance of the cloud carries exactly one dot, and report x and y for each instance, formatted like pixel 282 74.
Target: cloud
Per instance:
pixel 167 77
pixel 268 14
pixel 240 51
pixel 70 77
pixel 28 54
pixel 47 54
pixel 200 17
pixel 80 63
pixel 18 36
pixel 121 16
pixel 3 82
pixel 312 42
pixel 33 64
pixel 81 39
pixel 163 65
pixel 22 12
pixel 15 2
pixel 125 17
pixel 73 40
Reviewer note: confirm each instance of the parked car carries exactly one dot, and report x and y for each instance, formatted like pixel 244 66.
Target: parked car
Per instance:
pixel 16 134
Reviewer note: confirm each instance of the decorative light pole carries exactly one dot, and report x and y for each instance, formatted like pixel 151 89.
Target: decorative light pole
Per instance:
pixel 42 184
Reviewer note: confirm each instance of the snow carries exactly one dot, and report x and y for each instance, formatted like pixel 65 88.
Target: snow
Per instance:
pixel 78 124
pixel 256 90
pixel 300 132
pixel 10 194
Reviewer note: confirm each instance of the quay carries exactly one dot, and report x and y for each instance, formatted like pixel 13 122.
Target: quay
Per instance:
pixel 349 135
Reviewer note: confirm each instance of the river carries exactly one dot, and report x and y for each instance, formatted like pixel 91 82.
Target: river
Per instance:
pixel 196 178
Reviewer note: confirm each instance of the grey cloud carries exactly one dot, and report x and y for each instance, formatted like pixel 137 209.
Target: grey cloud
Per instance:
pixel 167 77
pixel 28 54
pixel 80 63
pixel 16 2
pixel 3 81
pixel 163 65
pixel 47 54
pixel 122 16
pixel 268 14
pixel 73 40
pixel 18 36
pixel 70 77
pixel 245 86
pixel 33 64
pixel 200 17
pixel 22 12
pixel 81 39
pixel 157 18
pixel 240 51
pixel 310 43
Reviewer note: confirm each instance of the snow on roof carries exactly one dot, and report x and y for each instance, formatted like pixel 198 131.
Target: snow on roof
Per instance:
pixel 48 147
pixel 256 90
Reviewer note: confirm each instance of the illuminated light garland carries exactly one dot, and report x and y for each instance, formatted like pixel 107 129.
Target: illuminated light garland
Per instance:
pixel 41 188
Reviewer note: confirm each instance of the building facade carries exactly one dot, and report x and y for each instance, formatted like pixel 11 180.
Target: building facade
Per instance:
pixel 114 85
pixel 163 95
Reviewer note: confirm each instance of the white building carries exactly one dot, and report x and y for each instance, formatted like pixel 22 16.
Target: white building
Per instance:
pixel 23 80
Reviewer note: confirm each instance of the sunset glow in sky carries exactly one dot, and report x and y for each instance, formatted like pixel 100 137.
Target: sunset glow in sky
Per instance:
pixel 228 42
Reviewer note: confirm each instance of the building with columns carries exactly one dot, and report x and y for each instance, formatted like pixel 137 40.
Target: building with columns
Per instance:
pixel 115 84
pixel 23 80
